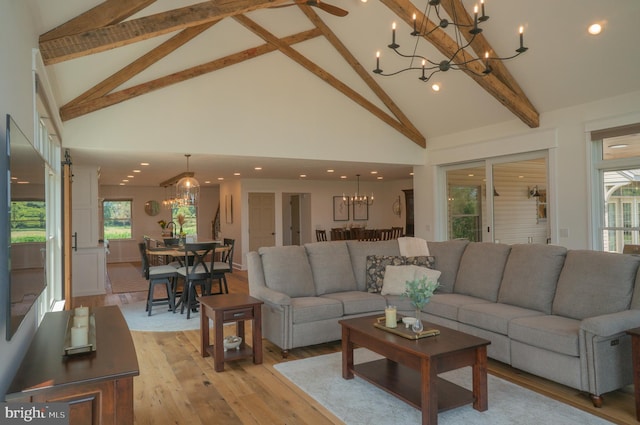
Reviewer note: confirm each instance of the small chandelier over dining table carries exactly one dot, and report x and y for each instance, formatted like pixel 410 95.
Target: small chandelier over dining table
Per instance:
pixel 357 198
pixel 187 188
pixel 460 59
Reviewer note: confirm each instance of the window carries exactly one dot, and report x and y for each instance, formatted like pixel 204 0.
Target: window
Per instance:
pixel 616 154
pixel 465 212
pixel 190 226
pixel 117 219
pixel 28 221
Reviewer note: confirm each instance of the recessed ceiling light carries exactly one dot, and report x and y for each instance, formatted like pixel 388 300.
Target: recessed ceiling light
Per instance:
pixel 470 174
pixel 144 163
pixel 137 171
pixel 22 182
pixel 595 29
pixel 303 175
pixel 125 180
pixel 520 177
pixel 329 171
pixel 220 178
pixel 435 87
pixel 121 184
pixel 207 181
pixel 411 173
pixel 343 177
pixel 257 168
pixel 380 177
pixel 130 177
pixel 374 172
pixel 618 146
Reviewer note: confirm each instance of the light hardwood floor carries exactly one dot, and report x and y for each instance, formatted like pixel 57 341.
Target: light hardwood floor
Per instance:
pixel 177 386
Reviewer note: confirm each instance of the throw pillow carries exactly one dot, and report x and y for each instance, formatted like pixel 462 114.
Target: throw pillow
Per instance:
pixel 376 265
pixel 395 279
pixel 421 260
pixel 431 275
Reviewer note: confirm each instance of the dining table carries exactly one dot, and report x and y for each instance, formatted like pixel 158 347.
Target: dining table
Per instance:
pixel 178 253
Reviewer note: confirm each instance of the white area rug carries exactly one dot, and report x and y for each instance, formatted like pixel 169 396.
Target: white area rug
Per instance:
pixel 357 402
pixel 161 319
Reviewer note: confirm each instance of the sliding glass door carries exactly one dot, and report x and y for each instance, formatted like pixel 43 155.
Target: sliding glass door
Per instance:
pixel 499 200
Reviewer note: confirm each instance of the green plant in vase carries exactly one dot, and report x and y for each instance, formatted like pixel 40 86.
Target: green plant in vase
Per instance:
pixel 182 235
pixel 419 291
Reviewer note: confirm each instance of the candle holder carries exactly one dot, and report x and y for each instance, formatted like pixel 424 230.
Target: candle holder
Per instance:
pixel 72 336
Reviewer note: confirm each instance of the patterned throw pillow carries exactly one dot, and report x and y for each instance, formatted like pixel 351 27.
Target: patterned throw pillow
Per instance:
pixel 422 261
pixel 376 265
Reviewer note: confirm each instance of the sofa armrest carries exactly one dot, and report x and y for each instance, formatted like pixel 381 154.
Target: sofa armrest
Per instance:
pixel 611 324
pixel 271 296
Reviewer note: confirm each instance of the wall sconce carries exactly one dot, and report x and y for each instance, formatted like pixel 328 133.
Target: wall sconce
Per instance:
pixel 532 192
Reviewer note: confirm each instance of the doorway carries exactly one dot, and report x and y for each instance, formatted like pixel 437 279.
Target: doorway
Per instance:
pixel 262 220
pixel 296 218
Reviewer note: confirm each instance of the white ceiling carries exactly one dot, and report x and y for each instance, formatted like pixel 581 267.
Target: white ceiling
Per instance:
pixel 563 67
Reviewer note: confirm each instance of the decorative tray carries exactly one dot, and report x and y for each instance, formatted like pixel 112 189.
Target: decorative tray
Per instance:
pixel 70 350
pixel 405 332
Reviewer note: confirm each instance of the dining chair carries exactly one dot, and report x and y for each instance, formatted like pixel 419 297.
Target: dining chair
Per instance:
pixel 196 271
pixel 158 275
pixel 321 235
pixel 386 234
pixel 396 232
pixel 225 265
pixel 338 234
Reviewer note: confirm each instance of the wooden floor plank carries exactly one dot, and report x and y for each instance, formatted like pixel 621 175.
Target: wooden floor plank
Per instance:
pixel 178 386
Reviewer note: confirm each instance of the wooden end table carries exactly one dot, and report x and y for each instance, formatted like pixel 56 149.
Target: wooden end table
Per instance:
pixel 226 309
pixel 635 358
pixel 411 367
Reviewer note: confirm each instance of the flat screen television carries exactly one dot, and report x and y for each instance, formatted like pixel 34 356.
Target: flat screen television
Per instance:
pixel 26 226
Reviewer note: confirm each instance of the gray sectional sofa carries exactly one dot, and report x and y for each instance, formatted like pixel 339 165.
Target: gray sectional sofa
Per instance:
pixel 557 313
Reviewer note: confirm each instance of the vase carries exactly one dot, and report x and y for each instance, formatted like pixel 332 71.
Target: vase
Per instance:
pixel 417 325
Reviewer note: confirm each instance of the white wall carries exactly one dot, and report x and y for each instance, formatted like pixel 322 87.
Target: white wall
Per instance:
pixel 17 38
pixel 562 132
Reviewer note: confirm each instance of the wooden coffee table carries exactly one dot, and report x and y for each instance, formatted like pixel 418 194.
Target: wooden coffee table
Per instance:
pixel 429 356
pixel 230 308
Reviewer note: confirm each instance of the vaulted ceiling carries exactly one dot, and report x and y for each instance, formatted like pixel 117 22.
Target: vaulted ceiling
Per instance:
pixel 102 54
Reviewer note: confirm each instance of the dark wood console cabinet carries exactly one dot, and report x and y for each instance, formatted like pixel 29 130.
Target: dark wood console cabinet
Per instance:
pixel 408 201
pixel 98 386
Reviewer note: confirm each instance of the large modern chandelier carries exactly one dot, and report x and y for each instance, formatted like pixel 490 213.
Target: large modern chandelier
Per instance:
pixel 357 199
pixel 461 59
pixel 187 188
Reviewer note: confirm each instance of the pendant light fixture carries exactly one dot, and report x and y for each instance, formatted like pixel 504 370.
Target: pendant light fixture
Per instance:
pixel 187 188
pixel 357 198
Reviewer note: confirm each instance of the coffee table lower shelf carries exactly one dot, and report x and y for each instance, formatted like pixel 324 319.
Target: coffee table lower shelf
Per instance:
pixel 404 383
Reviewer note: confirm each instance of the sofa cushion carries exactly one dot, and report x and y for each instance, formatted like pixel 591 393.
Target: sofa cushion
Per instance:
pixel 531 275
pixel 447 305
pixel 313 309
pixel 287 269
pixel 494 317
pixel 376 266
pixel 356 302
pixel 358 252
pixel 330 267
pixel 593 283
pixel 481 269
pixel 553 333
pixel 447 257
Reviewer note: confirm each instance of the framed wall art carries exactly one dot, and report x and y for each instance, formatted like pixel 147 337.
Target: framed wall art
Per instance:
pixel 340 209
pixel 360 211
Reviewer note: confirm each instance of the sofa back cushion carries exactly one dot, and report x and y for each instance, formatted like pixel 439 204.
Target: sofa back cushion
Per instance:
pixel 481 269
pixel 593 283
pixel 330 267
pixel 447 256
pixel 531 275
pixel 287 269
pixel 635 300
pixel 358 252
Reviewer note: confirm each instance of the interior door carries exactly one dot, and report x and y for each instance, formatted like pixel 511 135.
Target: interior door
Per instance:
pixel 262 220
pixel 295 220
pixel 66 233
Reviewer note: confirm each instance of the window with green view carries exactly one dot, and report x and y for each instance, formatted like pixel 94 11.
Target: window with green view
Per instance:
pixel 190 226
pixel 28 221
pixel 117 219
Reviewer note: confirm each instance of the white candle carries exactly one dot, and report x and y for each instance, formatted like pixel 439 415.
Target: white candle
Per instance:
pixel 79 336
pixel 82 311
pixel 390 316
pixel 80 320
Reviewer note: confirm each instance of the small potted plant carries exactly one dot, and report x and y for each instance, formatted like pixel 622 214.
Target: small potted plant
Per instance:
pixel 163 226
pixel 182 235
pixel 419 291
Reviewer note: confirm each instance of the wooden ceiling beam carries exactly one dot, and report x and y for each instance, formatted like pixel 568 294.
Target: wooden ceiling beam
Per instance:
pixel 121 34
pixel 363 73
pixel 518 105
pixel 107 13
pixel 328 78
pixel 140 64
pixel 73 111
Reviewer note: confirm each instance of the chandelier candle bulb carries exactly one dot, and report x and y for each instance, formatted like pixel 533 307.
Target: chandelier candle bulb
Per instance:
pixel 521 37
pixel 393 44
pixel 415 32
pixel 484 17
